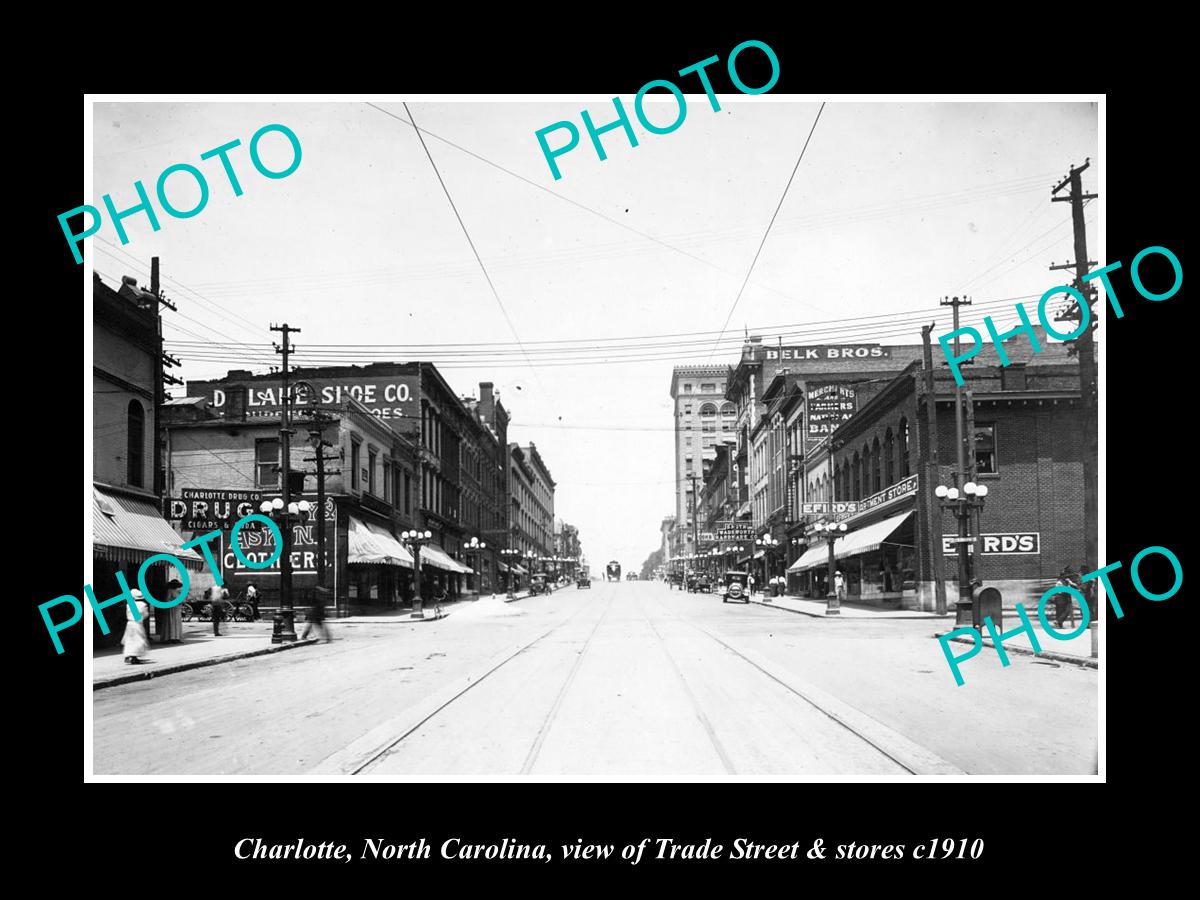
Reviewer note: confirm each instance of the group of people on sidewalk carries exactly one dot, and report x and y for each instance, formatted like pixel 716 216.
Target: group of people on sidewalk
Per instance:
pixel 168 623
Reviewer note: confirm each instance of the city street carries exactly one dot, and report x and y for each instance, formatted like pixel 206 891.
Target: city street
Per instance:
pixel 624 679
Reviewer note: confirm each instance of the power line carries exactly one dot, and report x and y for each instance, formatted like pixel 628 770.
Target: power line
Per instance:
pixel 763 242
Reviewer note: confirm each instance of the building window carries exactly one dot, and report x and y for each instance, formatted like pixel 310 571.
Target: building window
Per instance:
pixel 857 495
pixel 355 456
pixel 135 439
pixel 687 388
pixel 266 462
pixel 889 458
pixel 710 388
pixel 876 467
pixel 371 454
pixel 902 449
pixel 985 448
pixel 387 481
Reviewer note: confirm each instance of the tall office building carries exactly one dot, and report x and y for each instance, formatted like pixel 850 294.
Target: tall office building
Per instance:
pixel 703 419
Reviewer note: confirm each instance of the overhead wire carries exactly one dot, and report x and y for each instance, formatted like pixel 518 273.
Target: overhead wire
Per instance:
pixel 766 233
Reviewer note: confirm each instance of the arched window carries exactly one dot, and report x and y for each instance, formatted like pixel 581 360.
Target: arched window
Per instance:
pixel 903 448
pixel 135 452
pixel 857 489
pixel 876 468
pixel 866 471
pixel 889 458
pixel 837 483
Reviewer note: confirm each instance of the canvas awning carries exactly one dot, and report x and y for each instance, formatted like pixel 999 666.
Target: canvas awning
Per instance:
pixel 131 529
pixel 371 544
pixel 863 540
pixel 433 555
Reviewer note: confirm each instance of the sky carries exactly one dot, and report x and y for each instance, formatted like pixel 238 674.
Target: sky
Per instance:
pixel 892 206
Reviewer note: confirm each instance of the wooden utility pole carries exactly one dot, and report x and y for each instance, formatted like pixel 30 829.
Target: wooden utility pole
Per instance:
pixel 965 603
pixel 1085 346
pixel 285 625
pixel 934 518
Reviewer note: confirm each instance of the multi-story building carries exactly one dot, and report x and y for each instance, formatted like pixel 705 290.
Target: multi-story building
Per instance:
pixel 531 501
pixel 486 509
pixel 567 548
pixel 703 418
pixel 1022 424
pixel 127 395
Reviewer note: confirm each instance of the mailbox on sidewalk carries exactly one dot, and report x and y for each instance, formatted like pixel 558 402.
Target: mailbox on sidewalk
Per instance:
pixel 987 604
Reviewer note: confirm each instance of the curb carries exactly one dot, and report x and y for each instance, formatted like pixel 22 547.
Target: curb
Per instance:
pixel 816 615
pixel 1085 661
pixel 197 664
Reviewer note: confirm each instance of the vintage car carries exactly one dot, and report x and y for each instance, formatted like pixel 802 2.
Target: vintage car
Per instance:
pixel 584 581
pixel 734 588
pixel 690 581
pixel 538 584
pixel 704 584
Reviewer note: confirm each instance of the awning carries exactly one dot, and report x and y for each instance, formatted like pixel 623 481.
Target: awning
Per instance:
pixel 519 571
pixel 864 540
pixel 433 555
pixel 371 544
pixel 501 566
pixel 760 554
pixel 131 529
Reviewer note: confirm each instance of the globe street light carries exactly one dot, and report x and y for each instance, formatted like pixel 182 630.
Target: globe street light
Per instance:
pixel 965 505
pixel 473 546
pixel 414 541
pixel 831 531
pixel 284 630
pixel 509 561
pixel 768 544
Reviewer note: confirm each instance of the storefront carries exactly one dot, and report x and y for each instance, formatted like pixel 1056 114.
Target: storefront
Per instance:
pixel 128 529
pixel 877 554
pixel 378 568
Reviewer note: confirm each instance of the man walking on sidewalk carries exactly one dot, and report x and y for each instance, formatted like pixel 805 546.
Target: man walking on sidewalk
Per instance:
pixel 316 616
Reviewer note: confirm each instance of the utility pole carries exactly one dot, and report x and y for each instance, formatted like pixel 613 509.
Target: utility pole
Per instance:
pixel 931 476
pixel 285 626
pixel 964 578
pixel 1085 346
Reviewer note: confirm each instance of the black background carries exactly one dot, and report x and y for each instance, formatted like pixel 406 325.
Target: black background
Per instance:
pixel 1035 833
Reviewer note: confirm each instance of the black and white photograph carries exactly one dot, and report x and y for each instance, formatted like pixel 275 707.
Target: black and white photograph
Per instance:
pixel 707 433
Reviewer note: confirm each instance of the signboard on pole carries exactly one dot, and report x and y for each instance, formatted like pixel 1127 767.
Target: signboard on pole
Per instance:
pixel 1023 543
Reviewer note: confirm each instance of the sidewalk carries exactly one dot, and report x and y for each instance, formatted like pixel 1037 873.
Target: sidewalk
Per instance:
pixel 238 640
pixel 816 608
pixel 1077 650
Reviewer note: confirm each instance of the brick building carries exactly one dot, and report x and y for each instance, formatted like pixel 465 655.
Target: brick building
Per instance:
pixel 1024 443
pixel 702 417
pixel 532 506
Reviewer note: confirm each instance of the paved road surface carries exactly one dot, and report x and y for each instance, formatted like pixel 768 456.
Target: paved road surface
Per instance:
pixel 624 679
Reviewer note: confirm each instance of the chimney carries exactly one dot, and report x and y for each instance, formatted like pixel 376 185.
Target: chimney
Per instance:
pixel 154 275
pixel 235 402
pixel 487 401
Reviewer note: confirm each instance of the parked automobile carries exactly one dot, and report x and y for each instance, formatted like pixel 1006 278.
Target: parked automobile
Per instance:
pixel 538 584
pixel 704 584
pixel 584 581
pixel 734 588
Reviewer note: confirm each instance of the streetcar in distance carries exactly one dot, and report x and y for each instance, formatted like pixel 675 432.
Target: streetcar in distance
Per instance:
pixel 613 571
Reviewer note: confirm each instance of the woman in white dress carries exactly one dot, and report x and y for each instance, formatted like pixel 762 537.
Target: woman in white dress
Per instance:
pixel 173 620
pixel 134 642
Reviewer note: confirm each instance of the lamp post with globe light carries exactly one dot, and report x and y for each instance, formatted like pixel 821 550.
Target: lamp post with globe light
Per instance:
pixel 831 531
pixel 414 541
pixel 510 560
pixel 473 546
pixel 286 517
pixel 965 505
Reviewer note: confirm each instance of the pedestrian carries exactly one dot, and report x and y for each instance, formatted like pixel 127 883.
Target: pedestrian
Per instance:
pixel 1063 607
pixel 134 642
pixel 750 583
pixel 252 598
pixel 439 597
pixel 171 620
pixel 839 585
pixel 217 605
pixel 316 616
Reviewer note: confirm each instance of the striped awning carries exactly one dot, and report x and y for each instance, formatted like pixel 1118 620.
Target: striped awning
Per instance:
pixel 433 555
pixel 864 540
pixel 131 529
pixel 371 544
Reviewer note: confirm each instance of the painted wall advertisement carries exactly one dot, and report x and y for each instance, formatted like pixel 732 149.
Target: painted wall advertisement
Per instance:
pixel 388 397
pixel 829 405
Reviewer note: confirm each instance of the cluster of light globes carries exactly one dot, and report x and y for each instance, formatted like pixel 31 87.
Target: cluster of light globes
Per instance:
pixel 269 507
pixel 416 535
pixel 767 541
pixel 831 527
pixel 474 544
pixel 971 489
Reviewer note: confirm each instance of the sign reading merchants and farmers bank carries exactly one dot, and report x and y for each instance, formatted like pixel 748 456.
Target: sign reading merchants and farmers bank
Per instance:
pixel 386 396
pixel 829 405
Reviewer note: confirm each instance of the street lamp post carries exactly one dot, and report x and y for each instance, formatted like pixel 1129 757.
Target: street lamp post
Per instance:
pixel 510 560
pixel 768 545
pixel 287 517
pixel 414 541
pixel 964 504
pixel 831 531
pixel 473 546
